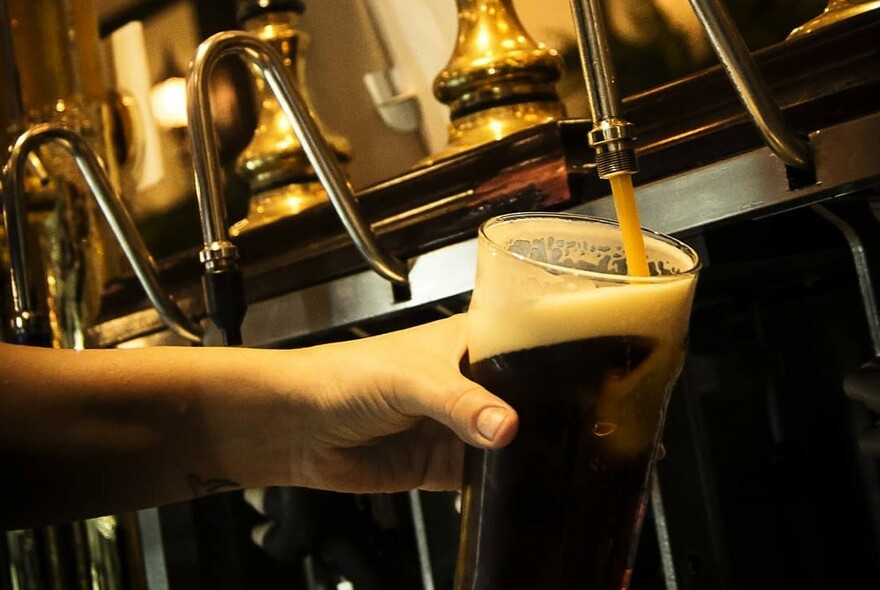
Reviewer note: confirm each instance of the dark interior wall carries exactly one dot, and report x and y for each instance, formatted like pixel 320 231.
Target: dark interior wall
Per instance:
pixel 764 483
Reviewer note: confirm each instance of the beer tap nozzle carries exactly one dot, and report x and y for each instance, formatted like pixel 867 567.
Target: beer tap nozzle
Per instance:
pixel 612 135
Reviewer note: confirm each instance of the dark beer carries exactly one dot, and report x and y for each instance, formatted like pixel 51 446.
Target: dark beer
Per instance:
pixel 587 356
pixel 560 506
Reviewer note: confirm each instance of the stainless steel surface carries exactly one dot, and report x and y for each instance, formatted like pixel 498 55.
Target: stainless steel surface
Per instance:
pixel 611 135
pixel 14 221
pixel 25 318
pixel 662 531
pixel 755 183
pixel 218 251
pixel 38 169
pixel 753 91
pixel 206 159
pixel 440 274
pixel 749 185
pixel 112 207
pixel 150 527
pixel 863 272
pixel 23 555
pixel 421 533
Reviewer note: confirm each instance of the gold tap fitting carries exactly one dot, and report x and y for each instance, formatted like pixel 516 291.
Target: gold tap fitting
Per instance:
pixel 835 12
pixel 499 80
pixel 274 164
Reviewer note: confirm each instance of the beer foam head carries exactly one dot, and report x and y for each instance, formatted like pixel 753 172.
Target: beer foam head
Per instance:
pixel 548 278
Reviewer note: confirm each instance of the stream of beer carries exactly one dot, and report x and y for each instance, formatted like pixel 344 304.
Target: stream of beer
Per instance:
pixel 630 227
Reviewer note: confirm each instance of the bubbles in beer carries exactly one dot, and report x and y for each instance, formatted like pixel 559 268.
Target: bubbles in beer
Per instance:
pixel 570 254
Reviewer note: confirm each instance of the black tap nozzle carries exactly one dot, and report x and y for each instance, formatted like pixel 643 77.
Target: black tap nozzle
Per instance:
pixel 224 302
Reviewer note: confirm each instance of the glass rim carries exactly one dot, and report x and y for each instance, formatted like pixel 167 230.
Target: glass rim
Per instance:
pixel 666 239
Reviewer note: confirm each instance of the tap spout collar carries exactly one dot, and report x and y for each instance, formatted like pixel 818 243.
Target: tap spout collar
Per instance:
pixel 27 323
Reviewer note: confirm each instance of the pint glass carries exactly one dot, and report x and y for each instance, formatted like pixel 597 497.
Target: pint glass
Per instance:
pixel 587 356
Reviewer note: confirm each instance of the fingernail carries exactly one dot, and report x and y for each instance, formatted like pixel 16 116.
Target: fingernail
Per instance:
pixel 490 420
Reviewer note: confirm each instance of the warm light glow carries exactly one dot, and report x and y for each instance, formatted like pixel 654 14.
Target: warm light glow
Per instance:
pixel 168 102
pixel 497 128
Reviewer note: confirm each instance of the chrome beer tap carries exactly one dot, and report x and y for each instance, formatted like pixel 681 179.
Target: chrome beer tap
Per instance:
pixel 612 135
pixel 219 256
pixel 28 326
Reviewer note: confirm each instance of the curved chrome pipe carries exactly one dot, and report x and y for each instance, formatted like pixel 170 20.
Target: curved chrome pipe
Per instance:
pixel 734 55
pixel 218 251
pixel 114 211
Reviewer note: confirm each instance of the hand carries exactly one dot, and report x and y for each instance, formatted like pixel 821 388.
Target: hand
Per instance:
pixel 393 412
pixel 155 425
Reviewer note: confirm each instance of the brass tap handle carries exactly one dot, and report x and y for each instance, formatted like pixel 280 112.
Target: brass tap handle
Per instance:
pixel 206 160
pixel 498 81
pixel 495 61
pixel 281 178
pixel 114 211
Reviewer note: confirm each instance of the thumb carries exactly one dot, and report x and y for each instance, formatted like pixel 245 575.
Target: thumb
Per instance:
pixel 478 417
pixel 438 387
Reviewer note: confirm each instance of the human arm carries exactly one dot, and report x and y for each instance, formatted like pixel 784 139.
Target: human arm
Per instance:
pixel 94 432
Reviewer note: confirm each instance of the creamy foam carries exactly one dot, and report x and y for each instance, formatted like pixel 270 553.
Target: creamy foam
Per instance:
pixel 658 311
pixel 549 280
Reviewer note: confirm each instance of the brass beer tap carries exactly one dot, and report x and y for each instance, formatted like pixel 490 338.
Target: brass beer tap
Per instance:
pixel 275 166
pixel 835 12
pixel 498 81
